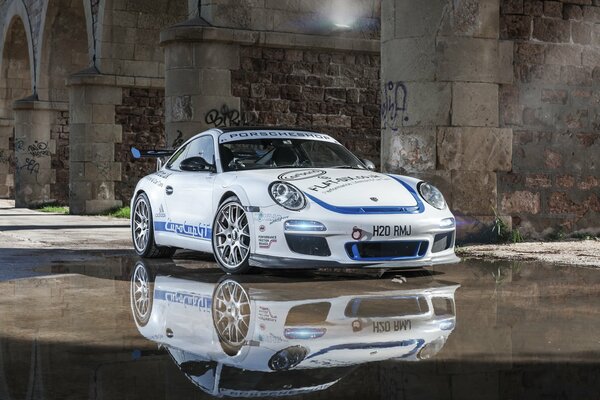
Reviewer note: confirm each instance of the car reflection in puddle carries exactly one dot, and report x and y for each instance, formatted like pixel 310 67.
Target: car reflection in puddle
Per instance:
pixel 257 335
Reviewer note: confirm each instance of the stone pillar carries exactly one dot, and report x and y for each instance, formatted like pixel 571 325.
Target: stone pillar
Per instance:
pixel 33 151
pixel 442 63
pixel 6 173
pixel 197 79
pixel 93 134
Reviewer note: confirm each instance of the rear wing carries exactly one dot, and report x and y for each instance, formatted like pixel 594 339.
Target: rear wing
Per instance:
pixel 158 154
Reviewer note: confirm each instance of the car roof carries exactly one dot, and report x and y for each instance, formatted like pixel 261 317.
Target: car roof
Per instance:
pixel 264 128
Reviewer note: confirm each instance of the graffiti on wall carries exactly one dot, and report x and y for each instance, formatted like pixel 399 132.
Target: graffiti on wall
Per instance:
pixel 222 117
pixel 393 105
pixel 32 153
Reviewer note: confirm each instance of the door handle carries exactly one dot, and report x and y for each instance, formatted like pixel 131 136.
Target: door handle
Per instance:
pixel 169 190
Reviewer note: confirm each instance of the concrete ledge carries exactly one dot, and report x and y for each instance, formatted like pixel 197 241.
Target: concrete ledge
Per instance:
pixel 199 33
pixel 32 104
pixel 97 79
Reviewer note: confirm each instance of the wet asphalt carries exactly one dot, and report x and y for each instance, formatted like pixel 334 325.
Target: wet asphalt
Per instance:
pixel 80 325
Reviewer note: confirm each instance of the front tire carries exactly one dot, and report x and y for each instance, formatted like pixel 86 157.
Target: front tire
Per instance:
pixel 231 314
pixel 142 230
pixel 231 237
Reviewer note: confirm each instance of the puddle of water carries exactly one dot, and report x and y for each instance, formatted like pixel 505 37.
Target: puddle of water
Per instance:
pixel 118 328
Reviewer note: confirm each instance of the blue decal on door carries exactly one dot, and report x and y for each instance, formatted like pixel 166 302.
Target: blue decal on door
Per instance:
pixel 193 231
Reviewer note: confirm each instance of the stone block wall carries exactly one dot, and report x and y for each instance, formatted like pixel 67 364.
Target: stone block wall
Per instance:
pixel 59 133
pixel 141 116
pixel 333 92
pixel 553 107
pixel 354 18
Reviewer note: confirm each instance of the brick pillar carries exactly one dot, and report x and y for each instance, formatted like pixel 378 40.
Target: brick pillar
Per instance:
pixel 6 175
pixel 93 134
pixel 33 151
pixel 442 63
pixel 197 80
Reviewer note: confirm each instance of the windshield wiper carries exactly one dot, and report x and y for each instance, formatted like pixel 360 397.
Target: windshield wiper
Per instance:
pixel 346 167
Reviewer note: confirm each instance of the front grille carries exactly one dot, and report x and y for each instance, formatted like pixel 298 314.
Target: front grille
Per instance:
pixel 442 241
pixel 385 307
pixel 308 244
pixel 387 251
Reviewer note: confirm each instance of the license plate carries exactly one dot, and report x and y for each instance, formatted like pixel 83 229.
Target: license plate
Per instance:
pixel 392 230
pixel 392 326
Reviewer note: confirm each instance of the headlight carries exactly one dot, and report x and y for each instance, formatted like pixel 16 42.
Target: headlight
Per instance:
pixel 287 358
pixel 431 348
pixel 287 196
pixel 432 195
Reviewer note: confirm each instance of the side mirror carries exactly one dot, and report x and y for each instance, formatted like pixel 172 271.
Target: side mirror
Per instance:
pixel 369 164
pixel 195 164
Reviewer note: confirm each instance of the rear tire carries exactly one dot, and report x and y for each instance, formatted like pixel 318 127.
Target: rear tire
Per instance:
pixel 142 230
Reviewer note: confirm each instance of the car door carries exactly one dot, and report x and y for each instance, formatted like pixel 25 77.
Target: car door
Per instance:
pixel 188 197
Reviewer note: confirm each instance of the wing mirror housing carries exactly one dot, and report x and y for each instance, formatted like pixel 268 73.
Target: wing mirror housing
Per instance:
pixel 369 164
pixel 196 164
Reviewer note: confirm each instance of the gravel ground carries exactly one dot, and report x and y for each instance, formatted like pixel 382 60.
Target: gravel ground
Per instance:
pixel 576 252
pixel 30 229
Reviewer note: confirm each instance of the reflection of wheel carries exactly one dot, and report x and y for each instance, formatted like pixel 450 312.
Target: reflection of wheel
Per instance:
pixel 141 294
pixel 231 315
pixel 231 237
pixel 142 230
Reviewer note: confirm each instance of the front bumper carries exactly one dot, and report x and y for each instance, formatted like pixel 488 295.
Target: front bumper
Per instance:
pixel 351 240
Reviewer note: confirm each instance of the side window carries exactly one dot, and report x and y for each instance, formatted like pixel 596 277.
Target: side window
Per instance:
pixel 176 158
pixel 202 147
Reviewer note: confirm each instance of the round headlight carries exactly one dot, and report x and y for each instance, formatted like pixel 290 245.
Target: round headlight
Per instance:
pixel 287 196
pixel 432 195
pixel 431 348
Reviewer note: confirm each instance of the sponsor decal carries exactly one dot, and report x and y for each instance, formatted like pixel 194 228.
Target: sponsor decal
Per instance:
pixel 271 218
pixel 392 326
pixel 202 303
pixel 265 241
pixel 265 314
pixel 155 181
pixel 392 230
pixel 262 228
pixel 233 136
pixel 203 232
pixel 303 174
pixel 356 325
pixel 160 213
pixel 328 184
pixel 262 326
pixel 163 174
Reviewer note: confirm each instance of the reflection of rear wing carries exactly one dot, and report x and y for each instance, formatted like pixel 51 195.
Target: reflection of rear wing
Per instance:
pixel 158 154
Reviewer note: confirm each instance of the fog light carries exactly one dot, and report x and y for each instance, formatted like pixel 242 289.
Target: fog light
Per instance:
pixel 304 226
pixel 447 325
pixel 447 223
pixel 304 333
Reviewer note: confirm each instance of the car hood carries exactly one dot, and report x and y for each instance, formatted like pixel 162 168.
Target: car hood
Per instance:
pixel 344 187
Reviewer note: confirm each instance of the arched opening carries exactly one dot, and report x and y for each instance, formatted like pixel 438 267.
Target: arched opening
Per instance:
pixel 15 84
pixel 64 52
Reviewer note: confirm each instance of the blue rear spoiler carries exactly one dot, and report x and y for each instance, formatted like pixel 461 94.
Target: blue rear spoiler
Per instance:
pixel 158 154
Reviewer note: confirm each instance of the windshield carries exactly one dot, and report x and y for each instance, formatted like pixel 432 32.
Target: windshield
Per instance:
pixel 285 153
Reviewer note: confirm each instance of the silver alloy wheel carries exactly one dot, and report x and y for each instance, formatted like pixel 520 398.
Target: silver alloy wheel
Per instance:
pixel 231 313
pixel 140 294
pixel 141 224
pixel 232 236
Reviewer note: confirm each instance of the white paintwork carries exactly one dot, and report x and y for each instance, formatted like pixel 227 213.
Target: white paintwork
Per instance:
pixel 197 196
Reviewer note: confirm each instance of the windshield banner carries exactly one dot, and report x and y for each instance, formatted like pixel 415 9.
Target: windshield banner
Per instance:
pixel 245 135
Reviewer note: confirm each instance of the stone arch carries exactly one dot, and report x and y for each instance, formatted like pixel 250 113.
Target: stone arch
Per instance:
pixel 16 82
pixel 64 47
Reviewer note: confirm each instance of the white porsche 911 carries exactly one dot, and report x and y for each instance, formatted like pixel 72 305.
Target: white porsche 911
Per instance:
pixel 288 199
